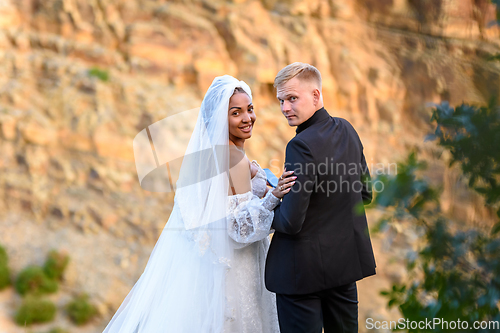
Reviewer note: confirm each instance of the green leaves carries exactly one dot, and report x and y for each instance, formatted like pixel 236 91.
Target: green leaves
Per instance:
pixel 472 135
pixel 455 274
pixel 101 74
pixel 32 279
pixel 404 191
pixel 495 229
pixel 4 268
pixel 35 310
pixel 55 265
pixel 80 310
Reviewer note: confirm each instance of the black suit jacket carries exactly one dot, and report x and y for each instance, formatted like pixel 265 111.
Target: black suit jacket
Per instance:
pixel 321 236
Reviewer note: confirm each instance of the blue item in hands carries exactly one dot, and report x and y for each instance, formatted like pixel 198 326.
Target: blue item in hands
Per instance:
pixel 271 178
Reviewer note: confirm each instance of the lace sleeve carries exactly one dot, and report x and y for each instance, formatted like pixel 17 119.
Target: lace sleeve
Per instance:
pixel 249 218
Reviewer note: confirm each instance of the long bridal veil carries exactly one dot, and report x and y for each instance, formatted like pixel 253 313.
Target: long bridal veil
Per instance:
pixel 183 287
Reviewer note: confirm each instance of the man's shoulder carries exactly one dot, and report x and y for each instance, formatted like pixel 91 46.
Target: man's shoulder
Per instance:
pixel 314 132
pixel 311 135
pixel 347 126
pixel 349 130
pixel 343 122
pixel 298 141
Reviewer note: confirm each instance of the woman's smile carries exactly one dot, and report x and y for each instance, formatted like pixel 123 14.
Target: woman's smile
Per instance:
pixel 246 128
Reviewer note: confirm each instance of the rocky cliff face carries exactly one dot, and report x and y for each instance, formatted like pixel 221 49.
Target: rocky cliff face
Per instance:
pixel 66 157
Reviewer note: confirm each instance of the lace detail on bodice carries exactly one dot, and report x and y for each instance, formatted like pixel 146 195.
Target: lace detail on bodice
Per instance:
pixel 250 217
pixel 259 181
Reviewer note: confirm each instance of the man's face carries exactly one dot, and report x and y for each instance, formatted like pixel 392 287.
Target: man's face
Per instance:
pixel 298 100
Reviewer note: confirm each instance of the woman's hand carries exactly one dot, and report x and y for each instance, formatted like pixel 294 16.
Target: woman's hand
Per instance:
pixel 284 184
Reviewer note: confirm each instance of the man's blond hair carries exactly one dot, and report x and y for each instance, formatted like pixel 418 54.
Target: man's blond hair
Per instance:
pixel 302 71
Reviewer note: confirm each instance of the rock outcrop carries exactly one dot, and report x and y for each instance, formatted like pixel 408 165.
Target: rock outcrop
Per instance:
pixel 67 161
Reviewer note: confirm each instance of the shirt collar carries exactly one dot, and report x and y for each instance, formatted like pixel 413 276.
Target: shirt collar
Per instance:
pixel 317 117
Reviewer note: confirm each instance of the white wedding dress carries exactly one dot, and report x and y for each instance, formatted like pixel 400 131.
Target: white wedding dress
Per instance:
pixel 177 285
pixel 252 308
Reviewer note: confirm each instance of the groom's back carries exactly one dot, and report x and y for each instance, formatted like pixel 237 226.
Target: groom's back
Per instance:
pixel 338 189
pixel 321 239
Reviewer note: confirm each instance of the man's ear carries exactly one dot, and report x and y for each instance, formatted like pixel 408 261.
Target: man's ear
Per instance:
pixel 316 96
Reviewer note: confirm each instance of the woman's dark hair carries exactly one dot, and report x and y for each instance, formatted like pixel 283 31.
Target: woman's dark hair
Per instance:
pixel 239 90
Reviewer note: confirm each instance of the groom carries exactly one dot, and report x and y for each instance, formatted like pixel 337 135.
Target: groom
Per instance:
pixel 321 245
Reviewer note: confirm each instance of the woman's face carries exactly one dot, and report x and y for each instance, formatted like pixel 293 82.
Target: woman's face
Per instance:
pixel 241 117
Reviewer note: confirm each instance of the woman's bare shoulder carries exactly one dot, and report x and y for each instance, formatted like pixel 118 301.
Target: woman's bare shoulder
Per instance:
pixel 239 172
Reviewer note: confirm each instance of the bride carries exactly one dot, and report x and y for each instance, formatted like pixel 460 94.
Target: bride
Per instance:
pixel 205 273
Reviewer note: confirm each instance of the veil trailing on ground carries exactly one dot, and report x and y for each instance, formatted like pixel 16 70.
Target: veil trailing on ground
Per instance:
pixel 183 286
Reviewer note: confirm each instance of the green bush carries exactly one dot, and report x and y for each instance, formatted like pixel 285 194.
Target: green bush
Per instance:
pixel 4 269
pixel 455 271
pixel 4 276
pixel 101 74
pixel 35 310
pixel 80 310
pixel 4 259
pixel 55 265
pixel 33 280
